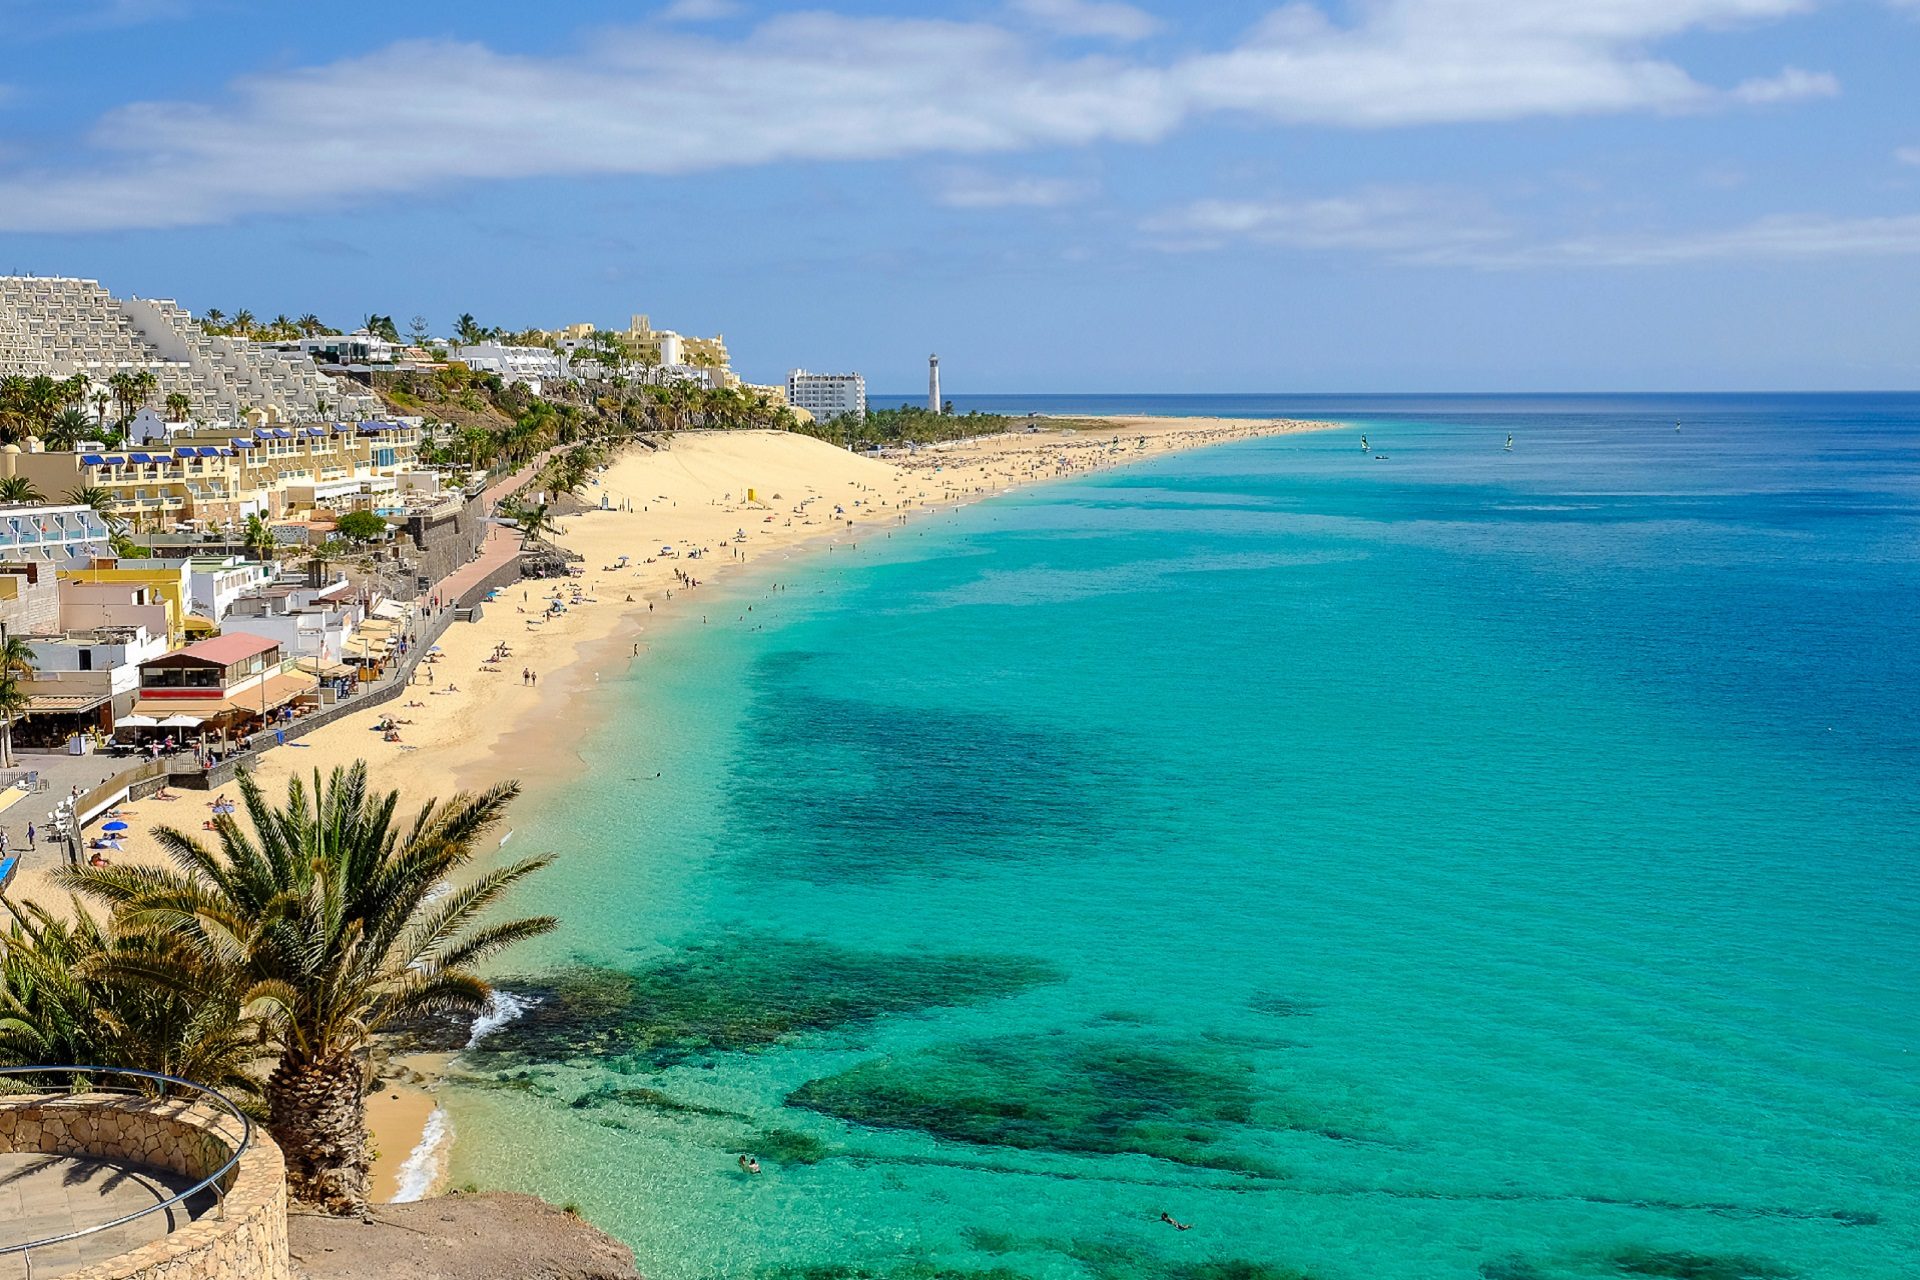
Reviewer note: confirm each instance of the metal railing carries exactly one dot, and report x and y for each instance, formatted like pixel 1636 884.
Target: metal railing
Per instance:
pixel 213 1182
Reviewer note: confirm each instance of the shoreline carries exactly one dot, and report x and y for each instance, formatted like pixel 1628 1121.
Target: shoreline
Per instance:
pixel 723 501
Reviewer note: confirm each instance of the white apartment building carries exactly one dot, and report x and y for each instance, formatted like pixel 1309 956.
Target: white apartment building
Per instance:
pixel 217 581
pixel 531 365
pixel 61 327
pixel 307 621
pixel 357 348
pixel 827 395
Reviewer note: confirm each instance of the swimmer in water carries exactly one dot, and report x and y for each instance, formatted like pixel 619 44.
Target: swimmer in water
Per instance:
pixel 1177 1225
pixel 749 1165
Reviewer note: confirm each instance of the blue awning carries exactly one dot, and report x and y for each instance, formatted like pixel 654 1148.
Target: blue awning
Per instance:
pixel 243 444
pixel 183 451
pixel 92 460
pixel 210 451
pixel 116 461
pixel 140 457
pixel 281 433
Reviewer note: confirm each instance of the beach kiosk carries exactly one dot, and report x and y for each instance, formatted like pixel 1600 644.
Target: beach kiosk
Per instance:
pixel 230 684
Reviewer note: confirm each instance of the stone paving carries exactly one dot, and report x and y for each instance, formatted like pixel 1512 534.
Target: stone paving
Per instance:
pixel 61 773
pixel 42 1196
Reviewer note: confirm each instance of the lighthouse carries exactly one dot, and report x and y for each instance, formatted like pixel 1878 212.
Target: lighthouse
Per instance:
pixel 933 384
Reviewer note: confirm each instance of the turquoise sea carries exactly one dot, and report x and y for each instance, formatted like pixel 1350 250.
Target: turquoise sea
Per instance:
pixel 1467 864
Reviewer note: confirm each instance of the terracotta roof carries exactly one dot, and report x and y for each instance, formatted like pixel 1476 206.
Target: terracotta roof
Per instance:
pixel 278 691
pixel 226 650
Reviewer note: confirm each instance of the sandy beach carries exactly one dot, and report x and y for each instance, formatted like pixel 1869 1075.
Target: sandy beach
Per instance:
pixel 710 504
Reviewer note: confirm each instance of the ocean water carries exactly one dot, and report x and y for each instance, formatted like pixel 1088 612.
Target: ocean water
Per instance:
pixel 1467 864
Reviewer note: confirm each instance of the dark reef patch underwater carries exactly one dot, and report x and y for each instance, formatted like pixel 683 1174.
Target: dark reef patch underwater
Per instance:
pixel 733 993
pixel 888 792
pixel 1183 1101
pixel 1637 1262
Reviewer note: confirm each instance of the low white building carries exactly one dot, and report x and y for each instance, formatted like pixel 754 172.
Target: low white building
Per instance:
pixel 84 681
pixel 215 582
pixel 827 395
pixel 343 348
pixel 307 621
pixel 531 365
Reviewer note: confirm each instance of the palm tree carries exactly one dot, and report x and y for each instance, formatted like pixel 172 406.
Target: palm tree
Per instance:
pixel 179 405
pixel 258 536
pixel 19 489
pixel 101 500
pixel 75 991
pixel 14 703
pixel 331 921
pixel 476 441
pixel 69 427
pixel 532 519
pixel 130 391
pixel 468 330
pixel 214 317
pixel 310 325
pixel 243 322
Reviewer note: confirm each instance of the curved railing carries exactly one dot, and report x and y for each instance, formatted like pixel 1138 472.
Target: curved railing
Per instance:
pixel 198 1092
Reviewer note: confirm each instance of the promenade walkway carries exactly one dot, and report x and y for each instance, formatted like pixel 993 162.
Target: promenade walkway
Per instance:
pixel 501 546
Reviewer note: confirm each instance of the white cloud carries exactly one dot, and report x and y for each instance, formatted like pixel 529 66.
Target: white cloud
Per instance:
pixel 976 189
pixel 1791 85
pixel 1782 238
pixel 1428 61
pixel 821 87
pixel 1433 228
pixel 701 10
pixel 1378 220
pixel 1106 19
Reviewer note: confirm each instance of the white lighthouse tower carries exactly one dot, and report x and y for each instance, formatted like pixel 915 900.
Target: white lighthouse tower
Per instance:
pixel 933 384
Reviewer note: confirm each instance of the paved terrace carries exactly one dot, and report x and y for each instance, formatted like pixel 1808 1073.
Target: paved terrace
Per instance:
pixel 43 1196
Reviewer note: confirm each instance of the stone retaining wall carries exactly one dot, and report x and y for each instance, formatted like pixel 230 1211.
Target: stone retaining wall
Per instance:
pixel 245 1239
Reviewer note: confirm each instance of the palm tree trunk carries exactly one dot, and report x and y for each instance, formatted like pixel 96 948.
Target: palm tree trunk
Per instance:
pixel 317 1112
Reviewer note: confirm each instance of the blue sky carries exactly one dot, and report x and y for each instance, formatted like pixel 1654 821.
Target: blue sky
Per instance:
pixel 1057 195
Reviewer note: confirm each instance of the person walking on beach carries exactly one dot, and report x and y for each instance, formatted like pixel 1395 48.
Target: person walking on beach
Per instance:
pixel 30 836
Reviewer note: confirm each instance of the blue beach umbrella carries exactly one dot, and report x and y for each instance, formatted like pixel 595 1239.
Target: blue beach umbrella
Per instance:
pixel 115 826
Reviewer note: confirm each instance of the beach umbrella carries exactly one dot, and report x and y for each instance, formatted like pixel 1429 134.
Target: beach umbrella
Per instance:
pixel 136 722
pixel 115 826
pixel 179 722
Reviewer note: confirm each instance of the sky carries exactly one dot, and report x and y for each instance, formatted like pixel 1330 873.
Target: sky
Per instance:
pixel 1055 195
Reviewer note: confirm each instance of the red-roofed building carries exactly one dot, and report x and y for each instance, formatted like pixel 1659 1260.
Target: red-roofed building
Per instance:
pixel 224 682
